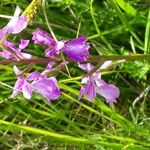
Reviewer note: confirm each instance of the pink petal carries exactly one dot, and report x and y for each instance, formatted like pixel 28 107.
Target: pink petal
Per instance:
pixel 27 91
pixel 23 44
pixel 15 25
pixel 17 87
pixel 88 89
pixel 33 76
pixel 6 55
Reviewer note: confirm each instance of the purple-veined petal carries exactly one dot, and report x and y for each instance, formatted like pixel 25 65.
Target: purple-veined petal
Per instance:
pixel 109 92
pixel 18 52
pixel 27 90
pixel 47 88
pixel 11 24
pixel 18 87
pixel 23 44
pixel 54 50
pixel 53 79
pixel 76 49
pixel 33 76
pixel 43 38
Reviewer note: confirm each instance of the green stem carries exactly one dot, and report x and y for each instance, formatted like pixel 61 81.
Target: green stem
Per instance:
pixel 47 22
pixel 97 28
pixel 138 57
pixel 52 33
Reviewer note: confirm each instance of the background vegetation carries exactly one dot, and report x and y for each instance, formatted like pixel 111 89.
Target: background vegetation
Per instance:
pixel 113 27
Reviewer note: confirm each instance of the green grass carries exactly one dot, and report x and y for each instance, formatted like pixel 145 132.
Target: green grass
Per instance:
pixel 113 28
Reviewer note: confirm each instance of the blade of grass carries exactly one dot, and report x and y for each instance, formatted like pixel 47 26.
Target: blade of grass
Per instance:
pixel 124 20
pixel 147 36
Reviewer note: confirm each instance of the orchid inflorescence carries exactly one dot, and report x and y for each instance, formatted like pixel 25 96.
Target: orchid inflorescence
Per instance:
pixel 76 50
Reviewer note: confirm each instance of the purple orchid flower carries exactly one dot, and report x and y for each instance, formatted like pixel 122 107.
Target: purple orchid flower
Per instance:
pixel 76 49
pixel 36 82
pixel 95 85
pixel 8 55
pixel 15 25
pixel 44 38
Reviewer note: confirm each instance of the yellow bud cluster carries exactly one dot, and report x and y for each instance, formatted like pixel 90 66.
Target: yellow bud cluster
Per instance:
pixel 31 10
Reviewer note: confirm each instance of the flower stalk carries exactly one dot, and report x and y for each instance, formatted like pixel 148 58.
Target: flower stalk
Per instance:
pixel 137 57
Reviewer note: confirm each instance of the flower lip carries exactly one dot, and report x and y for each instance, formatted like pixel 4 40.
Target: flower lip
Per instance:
pixel 47 87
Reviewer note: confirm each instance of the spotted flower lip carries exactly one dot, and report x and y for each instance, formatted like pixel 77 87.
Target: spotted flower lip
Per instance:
pixel 76 49
pixel 95 85
pixel 15 25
